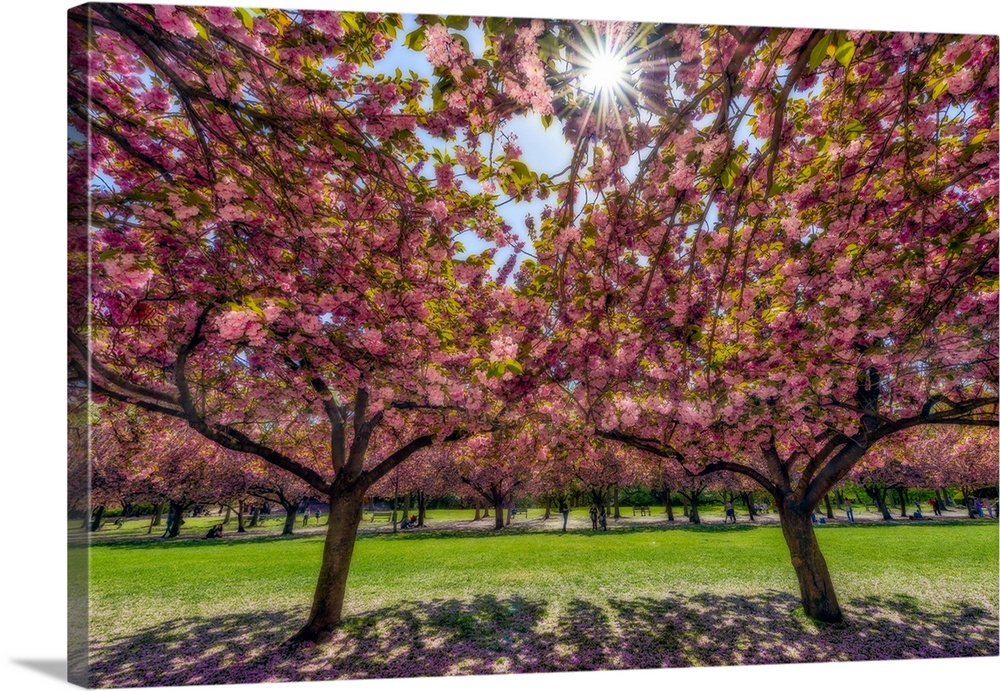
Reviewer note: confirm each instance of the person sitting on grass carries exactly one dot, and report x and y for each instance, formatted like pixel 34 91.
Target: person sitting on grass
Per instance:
pixel 406 523
pixel 213 532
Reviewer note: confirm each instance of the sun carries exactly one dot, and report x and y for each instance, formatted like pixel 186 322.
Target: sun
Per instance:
pixel 606 72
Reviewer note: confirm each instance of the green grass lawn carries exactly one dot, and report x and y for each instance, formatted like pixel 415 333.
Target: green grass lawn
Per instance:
pixel 483 602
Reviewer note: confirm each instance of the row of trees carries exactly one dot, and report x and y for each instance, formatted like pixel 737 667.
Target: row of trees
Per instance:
pixel 136 463
pixel 772 252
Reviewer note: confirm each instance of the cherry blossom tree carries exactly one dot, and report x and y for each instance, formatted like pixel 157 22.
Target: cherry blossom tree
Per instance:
pixel 779 245
pixel 269 253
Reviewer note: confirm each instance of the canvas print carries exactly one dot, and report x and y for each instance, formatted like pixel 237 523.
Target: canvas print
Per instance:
pixel 419 345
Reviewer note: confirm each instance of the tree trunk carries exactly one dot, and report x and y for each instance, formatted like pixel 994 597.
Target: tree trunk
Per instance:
pixel 395 504
pixel 254 517
pixel 497 512
pixel 879 496
pixel 942 504
pixel 669 505
pixel 692 506
pixel 240 528
pixel 477 516
pixel 614 494
pixel 901 494
pixel 486 511
pixel 829 509
pixel 748 502
pixel 421 507
pixel 157 514
pixel 95 521
pixel 177 511
pixel 815 586
pixel 328 599
pixel 548 509
pixel 406 507
pixel 289 520
pixel 685 507
pixel 229 510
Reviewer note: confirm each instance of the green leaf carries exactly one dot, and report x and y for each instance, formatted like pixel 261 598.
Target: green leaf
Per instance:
pixel 245 17
pixel 845 53
pixel 200 29
pixel 546 121
pixel 350 20
pixel 980 137
pixel 496 369
pixel 460 23
pixel 939 89
pixel 514 366
pixel 520 171
pixel 819 51
pixel 415 39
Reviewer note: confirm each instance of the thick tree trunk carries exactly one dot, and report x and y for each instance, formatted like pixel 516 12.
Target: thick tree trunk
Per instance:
pixel 815 586
pixel 548 509
pixel 478 515
pixel 240 528
pixel 829 509
pixel 669 506
pixel 177 512
pixel 289 520
pixel 328 599
pixel 254 517
pixel 421 507
pixel 157 514
pixel 685 507
pixel 694 517
pixel 498 513
pixel 901 495
pixel 692 508
pixel 942 504
pixel 486 512
pixel 748 502
pixel 95 520
pixel 229 511
pixel 878 495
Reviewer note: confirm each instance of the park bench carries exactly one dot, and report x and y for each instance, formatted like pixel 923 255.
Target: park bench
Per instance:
pixel 643 510
pixel 387 515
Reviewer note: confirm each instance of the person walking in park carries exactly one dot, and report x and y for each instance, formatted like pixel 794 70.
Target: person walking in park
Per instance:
pixel 602 518
pixel 593 516
pixel 730 513
pixel 971 506
pixel 564 510
pixel 849 508
pixel 979 507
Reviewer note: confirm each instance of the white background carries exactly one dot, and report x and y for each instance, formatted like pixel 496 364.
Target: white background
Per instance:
pixel 32 338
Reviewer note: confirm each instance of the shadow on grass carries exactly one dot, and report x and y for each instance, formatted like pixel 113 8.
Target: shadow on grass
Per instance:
pixel 486 634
